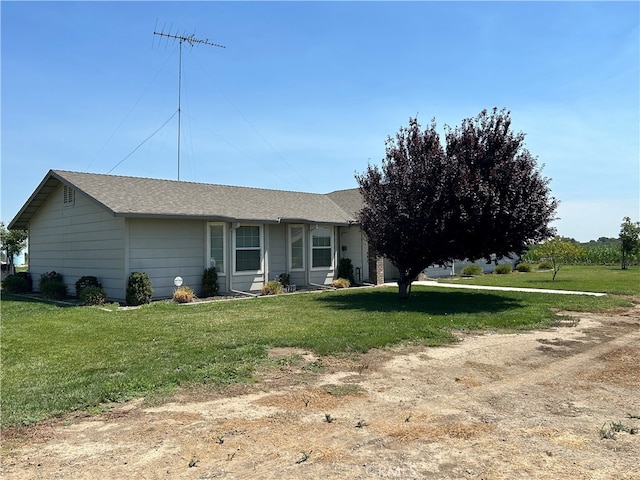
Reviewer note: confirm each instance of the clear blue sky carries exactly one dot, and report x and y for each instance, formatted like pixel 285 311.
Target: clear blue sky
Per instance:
pixel 305 94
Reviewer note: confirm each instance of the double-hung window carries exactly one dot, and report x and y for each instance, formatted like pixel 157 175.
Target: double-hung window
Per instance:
pixel 321 248
pixel 217 246
pixel 248 248
pixel 296 242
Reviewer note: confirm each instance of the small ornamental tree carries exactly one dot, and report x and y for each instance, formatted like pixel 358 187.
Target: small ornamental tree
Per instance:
pixel 481 195
pixel 559 252
pixel 630 240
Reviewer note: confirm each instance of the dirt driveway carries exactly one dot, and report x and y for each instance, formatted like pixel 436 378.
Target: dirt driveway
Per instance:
pixel 494 406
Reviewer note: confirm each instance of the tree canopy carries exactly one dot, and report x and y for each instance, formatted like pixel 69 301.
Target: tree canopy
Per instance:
pixel 559 252
pixel 480 194
pixel 12 242
pixel 629 239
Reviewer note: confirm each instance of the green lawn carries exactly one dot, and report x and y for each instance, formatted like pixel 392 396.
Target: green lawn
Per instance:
pixel 61 359
pixel 606 279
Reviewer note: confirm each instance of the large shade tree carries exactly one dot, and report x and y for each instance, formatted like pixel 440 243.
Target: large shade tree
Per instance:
pixel 481 194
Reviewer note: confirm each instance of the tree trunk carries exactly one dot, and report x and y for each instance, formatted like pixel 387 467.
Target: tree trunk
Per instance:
pixel 404 288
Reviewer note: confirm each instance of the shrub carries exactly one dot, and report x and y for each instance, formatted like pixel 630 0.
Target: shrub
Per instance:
pixel 183 294
pixel 345 270
pixel 92 295
pixel 86 281
pixel 473 270
pixel 271 288
pixel 502 269
pixel 139 289
pixel 341 283
pixel 524 267
pixel 209 282
pixel 284 279
pixel 545 265
pixel 52 285
pixel 18 283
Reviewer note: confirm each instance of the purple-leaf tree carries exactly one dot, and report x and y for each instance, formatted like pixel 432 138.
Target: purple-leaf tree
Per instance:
pixel 480 195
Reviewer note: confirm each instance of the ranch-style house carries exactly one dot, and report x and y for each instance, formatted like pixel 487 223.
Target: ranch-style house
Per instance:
pixel 110 226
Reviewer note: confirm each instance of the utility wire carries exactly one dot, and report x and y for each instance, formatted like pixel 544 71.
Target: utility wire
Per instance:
pixel 130 110
pixel 143 142
pixel 243 153
pixel 291 167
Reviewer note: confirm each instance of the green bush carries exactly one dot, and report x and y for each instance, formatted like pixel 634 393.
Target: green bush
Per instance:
pixel 92 295
pixel 183 294
pixel 271 288
pixel 545 265
pixel 284 279
pixel 86 281
pixel 473 270
pixel 139 289
pixel 209 282
pixel 524 267
pixel 502 269
pixel 18 283
pixel 52 286
pixel 345 270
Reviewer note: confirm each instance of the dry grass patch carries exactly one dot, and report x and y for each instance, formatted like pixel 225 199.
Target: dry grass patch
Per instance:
pixel 564 437
pixel 315 399
pixel 621 367
pixel 428 428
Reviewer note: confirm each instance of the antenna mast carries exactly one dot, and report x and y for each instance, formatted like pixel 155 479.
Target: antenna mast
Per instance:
pixel 191 40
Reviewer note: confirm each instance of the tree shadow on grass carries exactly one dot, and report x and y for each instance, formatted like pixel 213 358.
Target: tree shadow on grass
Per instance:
pixel 433 302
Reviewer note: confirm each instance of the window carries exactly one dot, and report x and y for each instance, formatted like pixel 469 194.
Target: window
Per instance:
pixel 248 251
pixel 68 196
pixel 321 250
pixel 216 246
pixel 296 238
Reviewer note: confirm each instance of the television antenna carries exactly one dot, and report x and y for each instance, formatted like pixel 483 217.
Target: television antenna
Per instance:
pixel 191 40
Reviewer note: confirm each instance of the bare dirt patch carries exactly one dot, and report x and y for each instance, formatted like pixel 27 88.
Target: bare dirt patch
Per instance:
pixel 493 406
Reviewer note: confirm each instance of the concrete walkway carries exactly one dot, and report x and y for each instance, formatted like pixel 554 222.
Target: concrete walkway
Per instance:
pixel 433 283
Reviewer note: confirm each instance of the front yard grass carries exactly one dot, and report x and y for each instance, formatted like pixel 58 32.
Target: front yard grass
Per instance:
pixel 604 279
pixel 56 360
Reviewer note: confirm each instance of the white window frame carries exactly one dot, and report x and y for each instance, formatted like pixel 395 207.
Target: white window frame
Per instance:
pixel 290 248
pixel 235 249
pixel 332 247
pixel 225 261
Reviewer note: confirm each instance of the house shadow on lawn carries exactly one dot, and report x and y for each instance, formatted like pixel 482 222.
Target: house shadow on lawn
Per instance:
pixel 433 302
pixel 37 298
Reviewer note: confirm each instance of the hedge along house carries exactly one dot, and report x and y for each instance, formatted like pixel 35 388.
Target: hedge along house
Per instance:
pixel 110 226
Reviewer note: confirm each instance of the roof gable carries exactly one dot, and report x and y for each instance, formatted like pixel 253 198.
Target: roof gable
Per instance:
pixel 147 197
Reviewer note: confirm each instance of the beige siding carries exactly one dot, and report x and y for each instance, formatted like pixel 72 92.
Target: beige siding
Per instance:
pixel 165 249
pixel 322 277
pixel 76 240
pixel 250 282
pixel 356 250
pixel 391 273
pixel 277 250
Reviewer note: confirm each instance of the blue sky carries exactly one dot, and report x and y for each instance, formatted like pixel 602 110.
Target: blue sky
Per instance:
pixel 305 94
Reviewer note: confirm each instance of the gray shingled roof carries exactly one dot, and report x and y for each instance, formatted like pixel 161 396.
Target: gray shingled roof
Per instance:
pixel 147 197
pixel 348 200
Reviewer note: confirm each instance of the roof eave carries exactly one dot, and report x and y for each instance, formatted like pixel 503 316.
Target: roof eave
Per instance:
pixel 219 218
pixel 21 220
pixel 42 192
